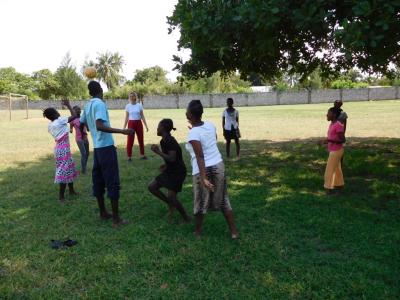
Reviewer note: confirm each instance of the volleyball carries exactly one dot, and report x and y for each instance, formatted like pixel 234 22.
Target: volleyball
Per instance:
pixel 90 72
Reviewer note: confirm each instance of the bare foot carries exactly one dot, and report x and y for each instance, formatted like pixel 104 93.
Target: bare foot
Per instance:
pixel 62 200
pixel 234 236
pixel 120 223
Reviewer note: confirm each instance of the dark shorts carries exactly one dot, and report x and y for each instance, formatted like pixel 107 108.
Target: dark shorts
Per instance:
pixel 105 173
pixel 232 134
pixel 172 182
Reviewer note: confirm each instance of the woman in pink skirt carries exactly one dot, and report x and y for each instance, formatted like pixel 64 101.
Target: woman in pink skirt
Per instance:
pixel 65 167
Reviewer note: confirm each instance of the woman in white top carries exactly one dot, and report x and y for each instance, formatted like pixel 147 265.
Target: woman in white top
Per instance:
pixel 134 118
pixel 209 181
pixel 230 125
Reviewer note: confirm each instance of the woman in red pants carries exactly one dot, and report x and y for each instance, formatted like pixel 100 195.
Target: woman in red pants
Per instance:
pixel 134 118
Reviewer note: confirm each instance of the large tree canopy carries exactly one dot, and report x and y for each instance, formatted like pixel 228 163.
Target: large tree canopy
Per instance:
pixel 269 37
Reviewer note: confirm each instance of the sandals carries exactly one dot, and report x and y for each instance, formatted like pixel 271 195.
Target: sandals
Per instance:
pixel 56 244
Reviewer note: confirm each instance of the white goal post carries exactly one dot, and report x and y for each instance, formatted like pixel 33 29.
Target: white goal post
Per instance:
pixel 8 99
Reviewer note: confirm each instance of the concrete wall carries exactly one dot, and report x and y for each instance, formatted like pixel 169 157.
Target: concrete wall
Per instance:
pixel 325 96
pixel 219 100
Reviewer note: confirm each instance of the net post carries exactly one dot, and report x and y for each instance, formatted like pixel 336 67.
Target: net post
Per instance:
pixel 9 105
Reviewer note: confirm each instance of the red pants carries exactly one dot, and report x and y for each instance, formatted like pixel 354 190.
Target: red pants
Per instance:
pixel 138 127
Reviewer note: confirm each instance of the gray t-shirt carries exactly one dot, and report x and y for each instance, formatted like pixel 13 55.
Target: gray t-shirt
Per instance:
pixel 342 117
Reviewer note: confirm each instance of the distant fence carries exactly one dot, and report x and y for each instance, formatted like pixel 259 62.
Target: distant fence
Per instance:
pixel 253 99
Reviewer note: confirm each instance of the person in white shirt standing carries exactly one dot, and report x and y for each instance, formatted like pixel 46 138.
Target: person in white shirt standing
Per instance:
pixel 133 119
pixel 230 126
pixel 209 181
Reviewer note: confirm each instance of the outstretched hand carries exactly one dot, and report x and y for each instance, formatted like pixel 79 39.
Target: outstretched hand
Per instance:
pixel 128 131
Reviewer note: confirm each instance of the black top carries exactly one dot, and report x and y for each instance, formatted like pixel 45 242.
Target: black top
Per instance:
pixel 178 166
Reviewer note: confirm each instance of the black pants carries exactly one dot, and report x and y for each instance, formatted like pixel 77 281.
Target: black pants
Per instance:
pixel 105 173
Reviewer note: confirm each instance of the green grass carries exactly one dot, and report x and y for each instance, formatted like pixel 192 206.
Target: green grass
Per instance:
pixel 295 243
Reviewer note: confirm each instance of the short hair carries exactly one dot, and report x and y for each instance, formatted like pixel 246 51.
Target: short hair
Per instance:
pixel 94 88
pixel 336 111
pixel 50 113
pixel 195 108
pixel 229 100
pixel 167 124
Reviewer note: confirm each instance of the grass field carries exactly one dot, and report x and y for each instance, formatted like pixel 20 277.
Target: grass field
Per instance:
pixel 295 243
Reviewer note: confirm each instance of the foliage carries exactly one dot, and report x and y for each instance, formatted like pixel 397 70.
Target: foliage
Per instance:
pixel 12 81
pixel 47 86
pixel 347 84
pixel 272 37
pixel 108 66
pixel 151 75
pixel 71 84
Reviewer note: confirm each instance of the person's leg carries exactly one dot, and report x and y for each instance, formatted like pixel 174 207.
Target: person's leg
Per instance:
pixel 331 166
pixel 99 185
pixel 338 178
pixel 173 200
pixel 61 196
pixel 237 147
pixel 82 150
pixel 198 224
pixel 231 223
pixel 228 147
pixel 154 188
pixel 71 189
pixel 130 140
pixel 109 167
pixel 139 131
pixel 85 160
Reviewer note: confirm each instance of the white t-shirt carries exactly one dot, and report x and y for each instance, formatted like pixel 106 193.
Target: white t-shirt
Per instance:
pixel 207 135
pixel 134 111
pixel 58 128
pixel 230 119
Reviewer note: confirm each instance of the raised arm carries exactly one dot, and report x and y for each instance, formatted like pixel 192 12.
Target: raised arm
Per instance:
pixel 66 103
pixel 198 151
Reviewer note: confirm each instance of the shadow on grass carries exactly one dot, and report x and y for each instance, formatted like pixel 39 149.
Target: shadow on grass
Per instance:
pixel 295 242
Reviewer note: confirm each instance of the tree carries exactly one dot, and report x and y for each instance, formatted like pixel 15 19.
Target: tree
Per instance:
pixel 271 37
pixel 12 81
pixel 71 84
pixel 47 86
pixel 151 75
pixel 108 66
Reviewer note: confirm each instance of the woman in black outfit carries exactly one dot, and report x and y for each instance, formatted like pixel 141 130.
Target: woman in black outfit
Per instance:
pixel 173 172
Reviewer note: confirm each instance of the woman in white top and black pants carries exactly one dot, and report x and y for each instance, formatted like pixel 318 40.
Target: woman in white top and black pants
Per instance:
pixel 230 125
pixel 134 118
pixel 209 181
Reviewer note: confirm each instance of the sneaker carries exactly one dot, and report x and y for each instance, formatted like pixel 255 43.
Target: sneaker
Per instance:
pixel 143 158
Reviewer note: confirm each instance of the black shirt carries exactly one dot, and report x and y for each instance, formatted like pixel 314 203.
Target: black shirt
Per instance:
pixel 178 166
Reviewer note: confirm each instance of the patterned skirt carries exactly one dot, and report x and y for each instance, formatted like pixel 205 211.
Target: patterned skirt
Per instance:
pixel 65 166
pixel 204 199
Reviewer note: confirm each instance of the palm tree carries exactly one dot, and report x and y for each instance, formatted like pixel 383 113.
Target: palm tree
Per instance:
pixel 109 66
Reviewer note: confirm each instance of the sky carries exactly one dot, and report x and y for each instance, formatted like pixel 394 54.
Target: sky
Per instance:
pixel 37 34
